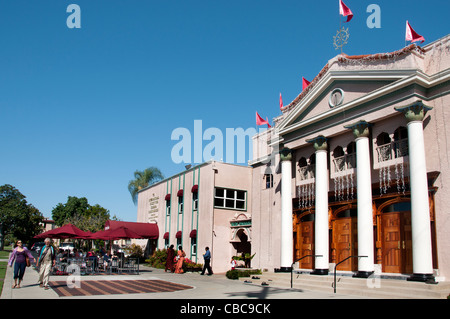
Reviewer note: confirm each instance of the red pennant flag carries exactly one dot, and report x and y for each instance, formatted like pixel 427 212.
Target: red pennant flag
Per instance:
pixel 412 35
pixel 345 11
pixel 305 83
pixel 281 102
pixel 261 121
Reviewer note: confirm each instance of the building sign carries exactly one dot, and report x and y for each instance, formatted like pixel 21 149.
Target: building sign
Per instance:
pixel 154 209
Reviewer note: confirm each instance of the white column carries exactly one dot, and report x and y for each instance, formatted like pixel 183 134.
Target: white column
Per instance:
pixel 365 214
pixel 364 195
pixel 420 209
pixel 321 241
pixel 287 235
pixel 321 219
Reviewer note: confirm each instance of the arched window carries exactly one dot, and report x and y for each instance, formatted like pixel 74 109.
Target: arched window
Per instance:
pixel 384 147
pixel 351 155
pixel 303 168
pixel 400 142
pixel 338 152
pixel 312 165
pixel 383 139
pixel 351 148
pixel 339 159
pixel 312 159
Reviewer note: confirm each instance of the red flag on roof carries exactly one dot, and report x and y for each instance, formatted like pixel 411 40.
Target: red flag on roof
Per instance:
pixel 345 11
pixel 305 83
pixel 412 35
pixel 261 121
pixel 281 102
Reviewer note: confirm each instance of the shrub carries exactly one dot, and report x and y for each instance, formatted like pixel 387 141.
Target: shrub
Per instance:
pixel 135 251
pixel 158 260
pixel 232 274
pixel 235 274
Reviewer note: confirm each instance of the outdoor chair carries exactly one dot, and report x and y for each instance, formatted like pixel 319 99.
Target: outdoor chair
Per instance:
pixel 59 268
pixel 90 266
pixel 100 265
pixel 131 265
pixel 114 265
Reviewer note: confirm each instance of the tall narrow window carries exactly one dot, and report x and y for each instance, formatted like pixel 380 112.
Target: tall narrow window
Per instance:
pixel 168 207
pixel 194 246
pixel 195 200
pixel 268 178
pixel 180 204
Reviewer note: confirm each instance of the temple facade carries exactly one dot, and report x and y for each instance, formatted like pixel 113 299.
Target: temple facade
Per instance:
pixel 362 169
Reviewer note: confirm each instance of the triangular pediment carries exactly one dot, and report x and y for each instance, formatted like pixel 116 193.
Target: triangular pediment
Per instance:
pixel 338 90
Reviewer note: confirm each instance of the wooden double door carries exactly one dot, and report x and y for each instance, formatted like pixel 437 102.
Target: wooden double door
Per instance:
pixel 346 242
pixel 396 242
pixel 304 244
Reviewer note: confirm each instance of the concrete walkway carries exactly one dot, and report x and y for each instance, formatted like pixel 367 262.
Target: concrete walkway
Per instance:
pixel 216 286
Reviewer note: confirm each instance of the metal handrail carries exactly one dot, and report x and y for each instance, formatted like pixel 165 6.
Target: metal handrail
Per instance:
pixel 335 267
pixel 292 266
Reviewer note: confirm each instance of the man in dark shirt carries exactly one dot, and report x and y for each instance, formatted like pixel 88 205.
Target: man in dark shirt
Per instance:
pixel 207 258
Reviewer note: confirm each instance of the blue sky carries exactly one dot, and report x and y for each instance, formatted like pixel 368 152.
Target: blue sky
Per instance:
pixel 82 109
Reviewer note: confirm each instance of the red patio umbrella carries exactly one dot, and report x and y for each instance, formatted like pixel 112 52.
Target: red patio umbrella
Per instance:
pixel 113 234
pixel 66 231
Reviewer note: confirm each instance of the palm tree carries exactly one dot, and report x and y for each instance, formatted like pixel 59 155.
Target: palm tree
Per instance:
pixel 143 179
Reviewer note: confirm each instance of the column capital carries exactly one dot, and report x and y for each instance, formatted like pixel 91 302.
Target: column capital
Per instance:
pixel 360 128
pixel 286 154
pixel 415 111
pixel 320 143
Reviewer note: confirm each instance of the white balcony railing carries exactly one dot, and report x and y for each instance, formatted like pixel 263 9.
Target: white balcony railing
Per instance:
pixel 392 150
pixel 307 172
pixel 344 163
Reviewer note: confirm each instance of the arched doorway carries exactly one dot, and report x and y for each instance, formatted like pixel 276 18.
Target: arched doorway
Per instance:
pixel 241 243
pixel 396 236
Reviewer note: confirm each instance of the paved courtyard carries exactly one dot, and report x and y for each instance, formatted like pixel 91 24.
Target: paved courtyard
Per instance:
pixel 153 283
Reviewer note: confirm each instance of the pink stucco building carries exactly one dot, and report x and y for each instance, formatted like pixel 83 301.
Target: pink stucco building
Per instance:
pixel 208 205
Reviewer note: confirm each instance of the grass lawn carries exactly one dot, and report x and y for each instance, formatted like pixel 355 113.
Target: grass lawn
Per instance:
pixel 3 265
pixel 4 254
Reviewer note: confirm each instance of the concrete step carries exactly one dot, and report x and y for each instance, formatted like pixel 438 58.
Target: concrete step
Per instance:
pixel 376 288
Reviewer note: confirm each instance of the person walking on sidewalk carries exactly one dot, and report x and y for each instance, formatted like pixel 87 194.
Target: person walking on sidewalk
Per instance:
pixel 170 258
pixel 20 255
pixel 207 258
pixel 46 261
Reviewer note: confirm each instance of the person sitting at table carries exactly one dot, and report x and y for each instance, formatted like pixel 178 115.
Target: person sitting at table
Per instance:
pixel 76 253
pixel 91 256
pixel 60 257
pixel 105 259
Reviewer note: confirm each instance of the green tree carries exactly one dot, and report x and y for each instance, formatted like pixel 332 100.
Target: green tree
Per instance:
pixel 18 219
pixel 143 179
pixel 73 207
pixel 78 212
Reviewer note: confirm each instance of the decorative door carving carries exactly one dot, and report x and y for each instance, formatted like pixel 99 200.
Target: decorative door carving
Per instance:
pixel 346 242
